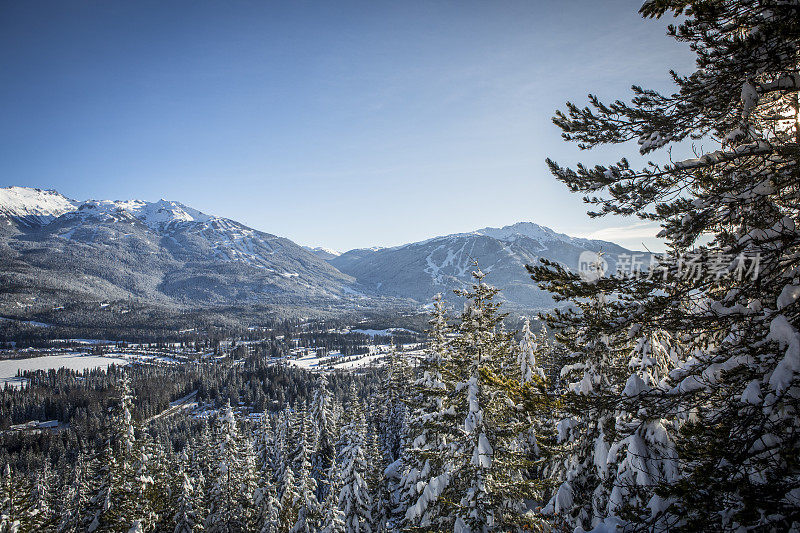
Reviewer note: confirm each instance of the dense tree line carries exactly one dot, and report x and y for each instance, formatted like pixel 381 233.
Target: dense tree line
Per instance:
pixel 132 321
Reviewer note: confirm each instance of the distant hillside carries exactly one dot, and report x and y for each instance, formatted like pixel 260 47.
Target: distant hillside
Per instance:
pixel 420 270
pixel 55 250
pixel 161 252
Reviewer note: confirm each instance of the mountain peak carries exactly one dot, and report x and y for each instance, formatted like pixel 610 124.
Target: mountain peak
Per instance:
pixel 525 229
pixel 161 251
pixel 421 269
pixel 33 205
pixel 322 252
pixel 155 215
pixel 166 212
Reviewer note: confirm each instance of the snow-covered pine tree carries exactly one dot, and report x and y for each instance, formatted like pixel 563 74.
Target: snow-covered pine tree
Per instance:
pixel 266 497
pixel 643 451
pixel 151 485
pixel 104 476
pixel 39 507
pixel 333 517
pixel 219 499
pixel 264 437
pixel 528 348
pixel 487 475
pixel 184 515
pixel 201 453
pixel 289 500
pixel 532 405
pixel 395 387
pixel 473 348
pixel 376 481
pixel 426 457
pixel 533 349
pixel 394 433
pixel 734 399
pixel 267 505
pixel 323 436
pixel 232 486
pixel 308 511
pixel 8 501
pixel 186 520
pixel 121 500
pixel 548 357
pixel 355 500
pixel 250 478
pixel 279 456
pixel 594 373
pixel 76 495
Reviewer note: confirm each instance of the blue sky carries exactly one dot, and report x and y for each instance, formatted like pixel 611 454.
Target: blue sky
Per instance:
pixel 343 124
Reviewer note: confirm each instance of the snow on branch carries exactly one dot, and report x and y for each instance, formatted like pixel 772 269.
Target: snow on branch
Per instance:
pixel 723 156
pixel 785 82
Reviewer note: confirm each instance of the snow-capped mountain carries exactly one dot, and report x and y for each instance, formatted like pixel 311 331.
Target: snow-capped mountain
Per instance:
pixel 322 252
pixel 156 215
pixel 31 207
pixel 161 251
pixel 533 231
pixel 170 253
pixel 439 265
pixel 193 231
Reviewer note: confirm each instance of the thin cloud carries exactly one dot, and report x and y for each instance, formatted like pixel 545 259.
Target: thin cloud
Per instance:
pixel 639 230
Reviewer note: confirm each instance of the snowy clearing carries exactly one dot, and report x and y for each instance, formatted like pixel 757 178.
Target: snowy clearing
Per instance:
pixel 337 361
pixel 79 362
pixel 9 368
pixel 381 332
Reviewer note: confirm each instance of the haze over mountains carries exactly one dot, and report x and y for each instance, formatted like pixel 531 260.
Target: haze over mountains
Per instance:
pixel 53 248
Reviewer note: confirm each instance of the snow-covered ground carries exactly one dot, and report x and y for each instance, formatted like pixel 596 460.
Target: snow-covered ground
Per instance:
pixel 188 403
pixel 381 332
pixel 329 362
pixel 9 368
pixel 79 362
pixel 28 322
pixel 337 361
pixel 34 203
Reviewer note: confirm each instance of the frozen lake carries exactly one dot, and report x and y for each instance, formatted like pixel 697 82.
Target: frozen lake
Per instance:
pixel 72 361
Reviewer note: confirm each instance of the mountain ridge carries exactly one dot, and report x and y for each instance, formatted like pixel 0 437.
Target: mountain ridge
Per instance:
pixel 419 270
pixel 161 252
pixel 33 206
pixel 172 254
